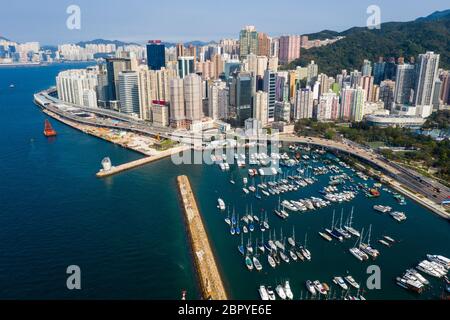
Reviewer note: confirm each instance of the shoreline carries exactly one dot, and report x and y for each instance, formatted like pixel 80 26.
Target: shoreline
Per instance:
pixel 208 273
pixel 123 167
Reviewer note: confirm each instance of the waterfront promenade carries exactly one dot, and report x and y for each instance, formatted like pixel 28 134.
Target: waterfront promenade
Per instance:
pixel 208 273
pixel 394 177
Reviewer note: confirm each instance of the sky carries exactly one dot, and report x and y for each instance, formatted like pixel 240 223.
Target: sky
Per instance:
pixel 182 20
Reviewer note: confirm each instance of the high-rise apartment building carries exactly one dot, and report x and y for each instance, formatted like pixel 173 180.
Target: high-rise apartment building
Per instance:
pixel 270 86
pixel 263 45
pixel 129 92
pixel 248 41
pixel 114 67
pixel 290 47
pixel 186 65
pixel 244 91
pixel 193 98
pixel 156 55
pixel 260 111
pixel 304 104
pixel 404 84
pixel 177 108
pixel 426 75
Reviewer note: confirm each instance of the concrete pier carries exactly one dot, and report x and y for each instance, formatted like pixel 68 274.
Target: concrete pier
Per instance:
pixel 208 273
pixel 140 162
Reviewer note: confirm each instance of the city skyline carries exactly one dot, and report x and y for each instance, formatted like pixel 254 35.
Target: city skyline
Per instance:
pixel 48 22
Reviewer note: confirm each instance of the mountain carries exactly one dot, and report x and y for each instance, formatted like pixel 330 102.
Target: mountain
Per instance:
pixel 3 38
pixel 104 41
pixel 435 16
pixel 322 35
pixel 394 39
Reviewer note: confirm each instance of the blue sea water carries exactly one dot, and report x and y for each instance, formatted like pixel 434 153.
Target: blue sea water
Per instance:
pixel 127 232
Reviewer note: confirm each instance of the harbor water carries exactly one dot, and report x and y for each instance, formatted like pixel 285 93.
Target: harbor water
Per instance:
pixel 127 232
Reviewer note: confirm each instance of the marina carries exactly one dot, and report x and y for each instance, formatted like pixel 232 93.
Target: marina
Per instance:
pixel 326 185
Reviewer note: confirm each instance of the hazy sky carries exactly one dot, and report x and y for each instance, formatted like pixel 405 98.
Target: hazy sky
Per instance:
pixel 182 20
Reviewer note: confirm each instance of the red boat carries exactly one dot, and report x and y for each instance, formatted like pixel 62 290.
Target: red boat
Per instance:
pixel 48 130
pixel 375 192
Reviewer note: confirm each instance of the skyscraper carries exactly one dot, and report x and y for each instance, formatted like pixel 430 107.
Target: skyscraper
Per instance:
pixel 214 97
pixel 114 67
pixel 366 68
pixel 193 98
pixel 260 107
pixel 312 73
pixel 426 75
pixel 156 55
pixel 186 65
pixel 248 40
pixel 304 104
pixel 378 71
pixel 367 85
pixel 270 86
pixel 129 92
pixel 358 105
pixel 387 90
pixel 290 47
pixel 404 84
pixel 263 45
pixel 347 101
pixel 244 87
pixel 177 110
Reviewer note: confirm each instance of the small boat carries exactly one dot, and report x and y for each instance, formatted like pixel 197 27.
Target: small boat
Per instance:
pixel 11 85
pixel 319 287
pixel 288 291
pixel 299 255
pixel 385 243
pixel 305 252
pixel 261 245
pixel 249 263
pixel 271 261
pixel 263 293
pixel 284 257
pixel 227 219
pixel 389 239
pixel 48 129
pixel 258 265
pixel 340 282
pixel 271 293
pixel 241 248
pixel 281 293
pixel 244 229
pixel 352 282
pixel 310 287
pixel 291 240
pixel 293 255
pixel 325 236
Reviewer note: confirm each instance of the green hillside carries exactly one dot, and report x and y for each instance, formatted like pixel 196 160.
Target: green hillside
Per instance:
pixel 394 39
